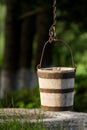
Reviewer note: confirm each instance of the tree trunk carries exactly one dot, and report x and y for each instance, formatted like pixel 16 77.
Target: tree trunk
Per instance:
pixel 12 44
pixel 44 21
pixel 27 37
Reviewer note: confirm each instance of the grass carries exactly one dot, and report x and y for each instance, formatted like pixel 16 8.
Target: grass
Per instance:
pixel 22 99
pixel 17 121
pixel 17 125
pixel 11 119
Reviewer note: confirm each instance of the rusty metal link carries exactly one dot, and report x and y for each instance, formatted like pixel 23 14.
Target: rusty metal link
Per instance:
pixel 52 32
pixel 54 12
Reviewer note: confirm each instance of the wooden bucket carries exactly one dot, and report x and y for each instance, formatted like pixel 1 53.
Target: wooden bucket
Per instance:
pixel 56 86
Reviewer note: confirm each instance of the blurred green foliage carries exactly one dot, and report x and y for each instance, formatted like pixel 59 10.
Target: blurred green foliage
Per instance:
pixel 22 99
pixel 71 27
pixel 2 17
pixel 80 98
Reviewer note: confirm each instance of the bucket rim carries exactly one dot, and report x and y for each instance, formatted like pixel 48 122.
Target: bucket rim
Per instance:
pixel 56 69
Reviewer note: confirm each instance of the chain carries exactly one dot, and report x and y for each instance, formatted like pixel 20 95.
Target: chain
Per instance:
pixel 54 12
pixel 52 38
pixel 52 32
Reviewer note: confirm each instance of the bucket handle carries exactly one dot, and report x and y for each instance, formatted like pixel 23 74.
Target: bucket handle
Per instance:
pixel 56 40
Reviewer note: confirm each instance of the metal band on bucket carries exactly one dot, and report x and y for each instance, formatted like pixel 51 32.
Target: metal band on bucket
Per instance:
pixel 42 90
pixel 47 75
pixel 65 108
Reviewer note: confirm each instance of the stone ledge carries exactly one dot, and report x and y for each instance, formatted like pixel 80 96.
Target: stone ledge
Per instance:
pixel 64 120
